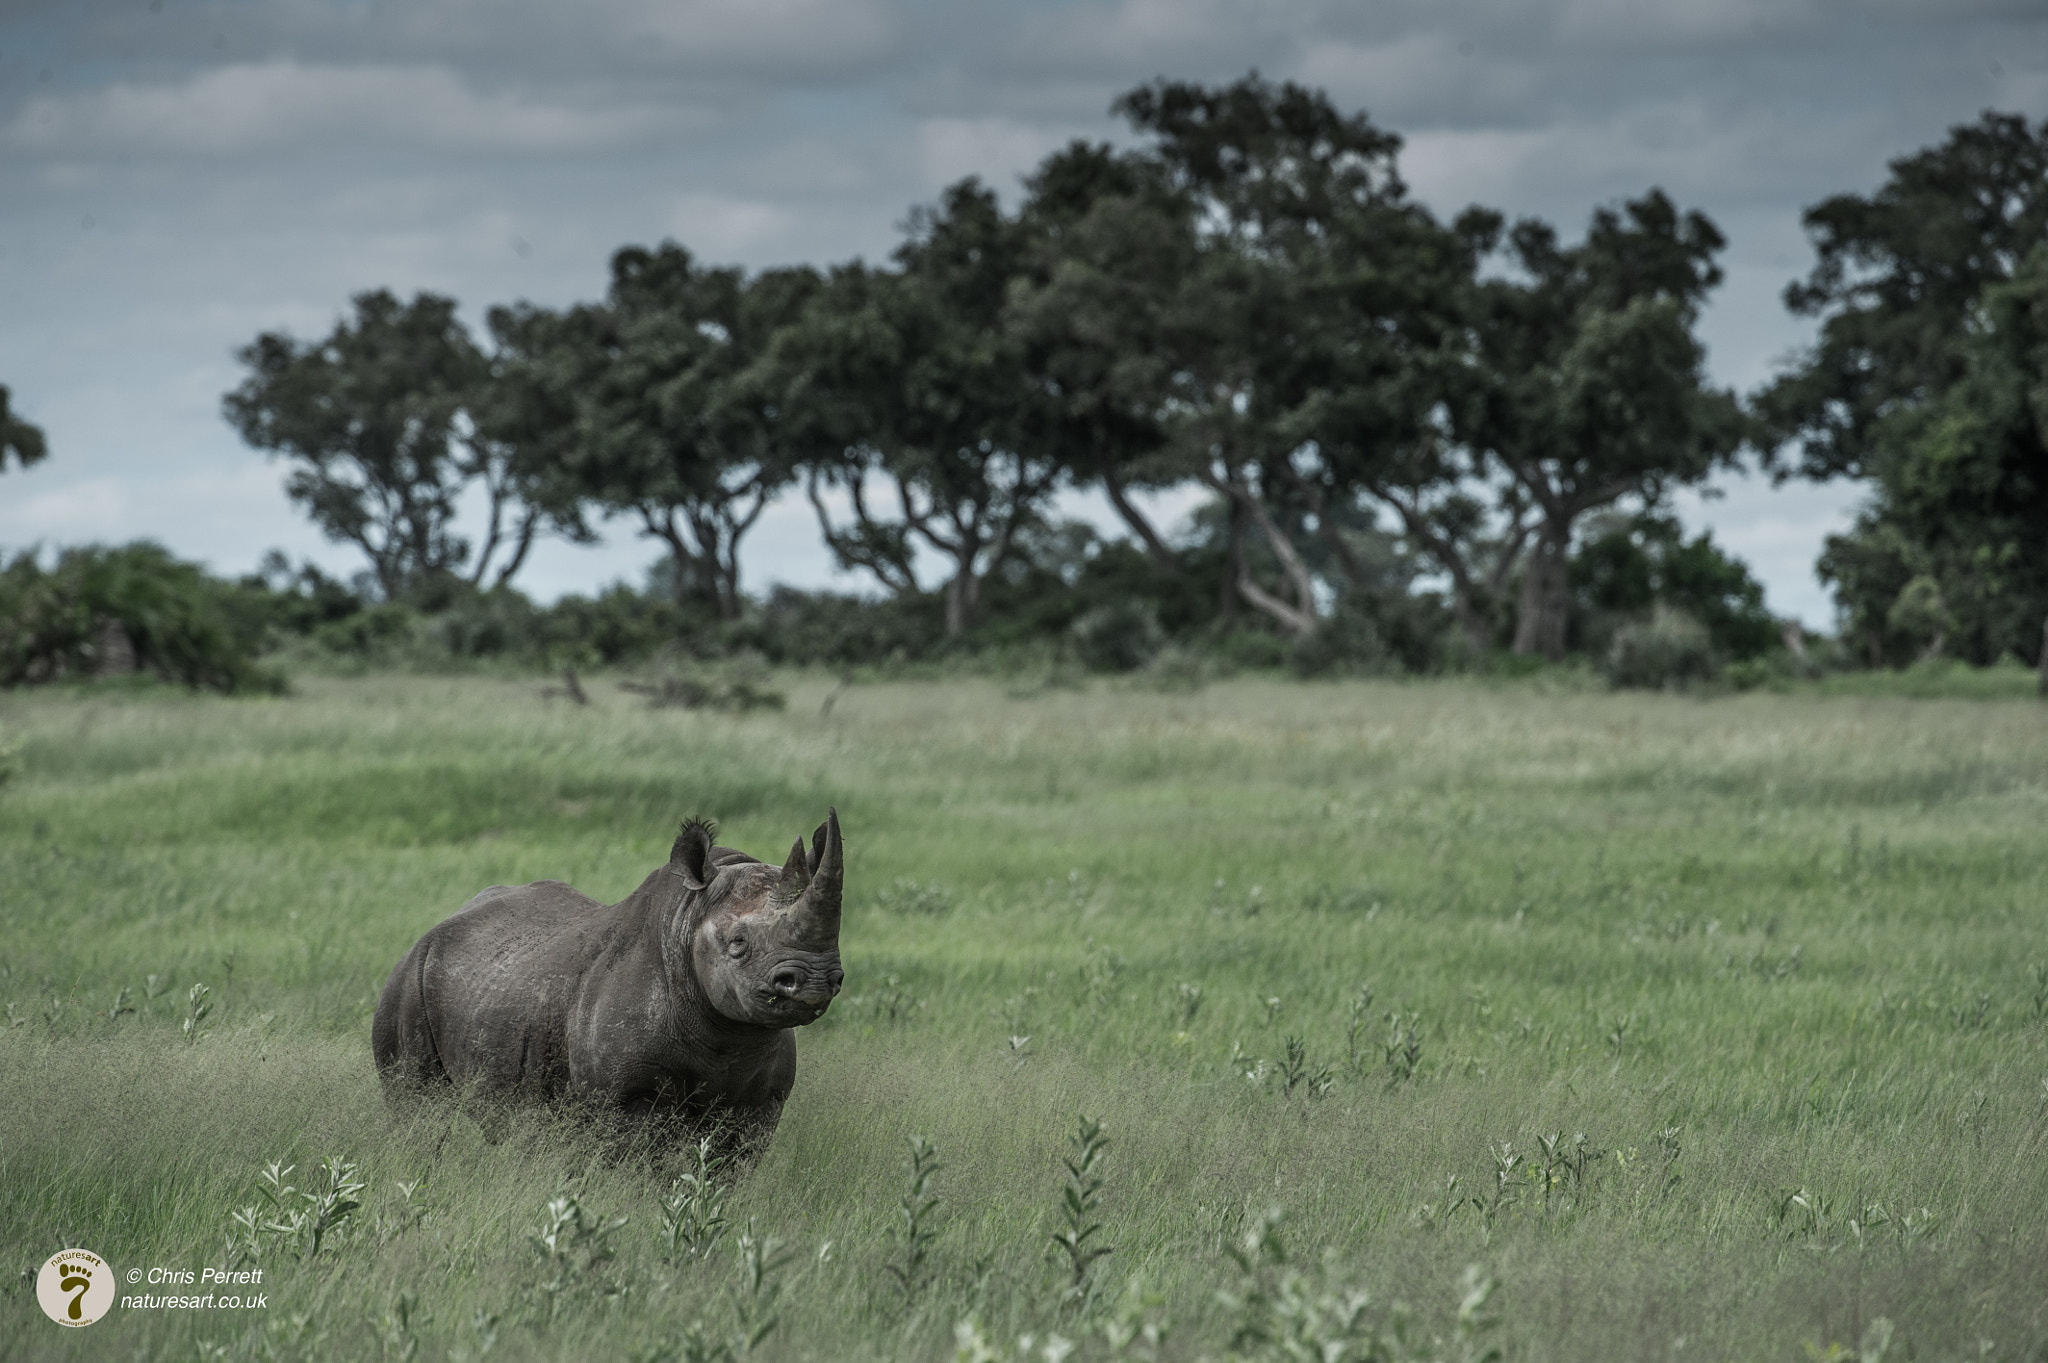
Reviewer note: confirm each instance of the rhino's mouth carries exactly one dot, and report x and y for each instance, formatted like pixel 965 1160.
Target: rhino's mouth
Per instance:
pixel 793 1009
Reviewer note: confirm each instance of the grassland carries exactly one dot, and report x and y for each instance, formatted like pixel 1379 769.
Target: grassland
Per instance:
pixel 1770 968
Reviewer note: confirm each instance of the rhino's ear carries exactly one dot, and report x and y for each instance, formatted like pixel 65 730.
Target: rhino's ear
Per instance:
pixel 690 858
pixel 796 876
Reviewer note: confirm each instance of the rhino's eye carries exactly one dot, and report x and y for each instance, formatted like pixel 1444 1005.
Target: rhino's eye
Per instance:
pixel 736 948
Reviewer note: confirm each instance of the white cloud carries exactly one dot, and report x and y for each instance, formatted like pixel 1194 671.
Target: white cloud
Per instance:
pixel 283 103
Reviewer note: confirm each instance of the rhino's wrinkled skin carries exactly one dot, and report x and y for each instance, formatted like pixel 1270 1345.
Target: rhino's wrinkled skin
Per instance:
pixel 678 1002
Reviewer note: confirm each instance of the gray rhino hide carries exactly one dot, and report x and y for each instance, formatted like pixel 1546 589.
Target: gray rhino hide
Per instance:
pixel 676 1003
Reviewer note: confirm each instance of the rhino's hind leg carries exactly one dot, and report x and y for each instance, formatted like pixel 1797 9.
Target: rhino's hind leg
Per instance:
pixel 402 1038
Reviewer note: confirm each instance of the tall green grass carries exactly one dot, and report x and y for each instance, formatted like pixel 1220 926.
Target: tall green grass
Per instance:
pixel 1770 971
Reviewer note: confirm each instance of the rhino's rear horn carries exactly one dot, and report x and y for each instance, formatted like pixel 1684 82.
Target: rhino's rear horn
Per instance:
pixel 690 858
pixel 817 849
pixel 828 869
pixel 796 875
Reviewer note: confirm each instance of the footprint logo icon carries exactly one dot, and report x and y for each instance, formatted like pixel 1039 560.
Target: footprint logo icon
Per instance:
pixel 75 1287
pixel 77 1278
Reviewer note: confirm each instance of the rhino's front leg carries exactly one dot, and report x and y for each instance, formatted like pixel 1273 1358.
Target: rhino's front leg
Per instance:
pixel 746 1135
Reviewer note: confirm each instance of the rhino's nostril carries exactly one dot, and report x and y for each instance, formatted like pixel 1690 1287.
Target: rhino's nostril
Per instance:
pixel 786 980
pixel 836 979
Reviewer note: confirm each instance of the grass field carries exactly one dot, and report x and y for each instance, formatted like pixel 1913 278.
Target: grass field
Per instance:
pixel 1770 970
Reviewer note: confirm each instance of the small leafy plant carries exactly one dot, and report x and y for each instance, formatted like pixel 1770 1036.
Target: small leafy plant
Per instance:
pixel 298 1220
pixel 1361 1008
pixel 915 1232
pixel 1296 1072
pixel 693 1219
pixel 573 1247
pixel 1402 1048
pixel 197 1008
pixel 1080 1202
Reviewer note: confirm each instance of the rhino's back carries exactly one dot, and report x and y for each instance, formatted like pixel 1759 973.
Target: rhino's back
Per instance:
pixel 484 996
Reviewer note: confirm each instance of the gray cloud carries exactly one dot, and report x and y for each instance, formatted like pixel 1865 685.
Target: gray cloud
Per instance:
pixel 283 104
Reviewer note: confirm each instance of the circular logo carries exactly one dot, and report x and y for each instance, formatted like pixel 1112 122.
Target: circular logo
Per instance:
pixel 75 1287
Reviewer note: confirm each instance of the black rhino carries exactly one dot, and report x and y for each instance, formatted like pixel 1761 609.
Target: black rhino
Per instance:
pixel 676 1003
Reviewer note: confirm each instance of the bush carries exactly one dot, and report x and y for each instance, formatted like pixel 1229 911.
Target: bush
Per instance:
pixel 1120 637
pixel 107 612
pixel 1175 668
pixel 619 625
pixel 374 634
pixel 806 628
pixel 1348 642
pixel 1668 650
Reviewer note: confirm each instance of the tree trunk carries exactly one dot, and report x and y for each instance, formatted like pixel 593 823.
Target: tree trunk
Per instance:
pixel 1155 548
pixel 520 546
pixel 2042 685
pixel 1303 620
pixel 1464 609
pixel 1477 635
pixel 1233 567
pixel 1546 596
pixel 1300 618
pixel 1301 623
pixel 962 593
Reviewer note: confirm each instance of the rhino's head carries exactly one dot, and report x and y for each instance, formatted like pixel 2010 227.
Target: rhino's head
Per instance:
pixel 765 943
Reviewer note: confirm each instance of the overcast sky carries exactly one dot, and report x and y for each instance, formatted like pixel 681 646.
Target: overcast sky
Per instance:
pixel 179 175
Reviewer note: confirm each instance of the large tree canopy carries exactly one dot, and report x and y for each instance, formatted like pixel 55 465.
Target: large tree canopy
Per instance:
pixel 647 407
pixel 913 379
pixel 1951 555
pixel 373 420
pixel 1928 379
pixel 1594 383
pixel 1898 276
pixel 1300 332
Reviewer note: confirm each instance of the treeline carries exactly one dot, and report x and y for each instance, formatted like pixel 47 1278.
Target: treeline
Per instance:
pixel 1419 444
pixel 1247 303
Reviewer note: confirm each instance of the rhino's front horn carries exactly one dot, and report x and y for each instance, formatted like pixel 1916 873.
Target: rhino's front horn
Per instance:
pixel 828 872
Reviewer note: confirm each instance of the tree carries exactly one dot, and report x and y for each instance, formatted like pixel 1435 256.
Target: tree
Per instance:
pixel 1951 555
pixel 913 378
pixel 19 440
pixel 1255 169
pixel 1317 334
pixel 521 427
pixel 1592 383
pixel 1897 279
pixel 1926 378
pixel 374 421
pixel 1378 415
pixel 1110 246
pixel 670 426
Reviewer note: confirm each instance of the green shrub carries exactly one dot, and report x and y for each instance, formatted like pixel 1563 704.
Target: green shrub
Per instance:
pixel 1668 650
pixel 1122 636
pixel 1349 642
pixel 374 634
pixel 133 608
pixel 618 625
